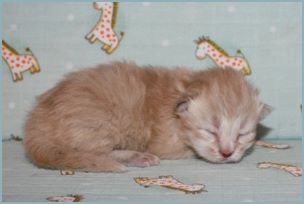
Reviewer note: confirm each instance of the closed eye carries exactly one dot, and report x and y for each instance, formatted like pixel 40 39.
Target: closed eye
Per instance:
pixel 245 133
pixel 209 131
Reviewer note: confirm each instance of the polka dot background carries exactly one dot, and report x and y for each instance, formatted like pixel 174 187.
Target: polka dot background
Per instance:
pixel 269 34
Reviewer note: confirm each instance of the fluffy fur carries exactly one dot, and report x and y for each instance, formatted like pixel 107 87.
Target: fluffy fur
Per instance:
pixel 119 114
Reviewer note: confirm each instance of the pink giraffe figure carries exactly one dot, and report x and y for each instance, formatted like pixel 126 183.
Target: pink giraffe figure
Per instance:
pixel 170 182
pixel 206 47
pixel 104 29
pixel 294 170
pixel 67 198
pixel 269 145
pixel 18 63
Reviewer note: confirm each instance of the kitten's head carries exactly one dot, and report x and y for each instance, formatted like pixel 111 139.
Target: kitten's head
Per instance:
pixel 218 115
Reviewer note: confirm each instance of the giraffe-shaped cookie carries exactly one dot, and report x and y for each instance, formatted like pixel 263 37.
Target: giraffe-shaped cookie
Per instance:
pixel 104 29
pixel 206 47
pixel 18 63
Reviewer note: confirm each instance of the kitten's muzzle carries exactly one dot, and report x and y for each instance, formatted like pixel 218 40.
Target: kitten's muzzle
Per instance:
pixel 226 153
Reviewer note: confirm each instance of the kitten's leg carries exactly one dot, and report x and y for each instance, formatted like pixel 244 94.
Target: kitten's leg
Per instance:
pixel 133 158
pixel 92 163
pixel 55 157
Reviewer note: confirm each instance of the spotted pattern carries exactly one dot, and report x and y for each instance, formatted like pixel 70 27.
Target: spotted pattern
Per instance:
pixel 19 63
pixel 221 59
pixel 103 30
pixel 294 170
pixel 170 182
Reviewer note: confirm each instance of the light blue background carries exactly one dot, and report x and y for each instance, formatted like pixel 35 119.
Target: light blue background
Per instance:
pixel 269 34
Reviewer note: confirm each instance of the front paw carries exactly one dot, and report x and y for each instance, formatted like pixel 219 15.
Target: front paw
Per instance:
pixel 144 160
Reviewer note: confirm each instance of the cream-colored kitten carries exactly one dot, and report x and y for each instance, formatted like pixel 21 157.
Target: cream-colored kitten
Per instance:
pixel 118 115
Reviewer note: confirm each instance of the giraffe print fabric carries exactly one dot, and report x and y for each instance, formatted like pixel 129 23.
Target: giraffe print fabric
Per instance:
pixel 67 198
pixel 269 145
pixel 104 29
pixel 18 63
pixel 207 47
pixel 294 170
pixel 170 182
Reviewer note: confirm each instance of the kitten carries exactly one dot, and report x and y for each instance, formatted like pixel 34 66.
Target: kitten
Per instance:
pixel 120 114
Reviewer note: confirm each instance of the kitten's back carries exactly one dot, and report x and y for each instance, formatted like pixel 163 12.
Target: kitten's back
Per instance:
pixel 96 110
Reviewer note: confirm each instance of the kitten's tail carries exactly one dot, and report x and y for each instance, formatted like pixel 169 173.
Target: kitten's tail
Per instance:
pixel 53 157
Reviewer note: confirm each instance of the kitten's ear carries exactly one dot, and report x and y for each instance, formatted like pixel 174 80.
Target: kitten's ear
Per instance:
pixel 183 104
pixel 182 107
pixel 265 110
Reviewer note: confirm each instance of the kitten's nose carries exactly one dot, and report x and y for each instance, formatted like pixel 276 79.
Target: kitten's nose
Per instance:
pixel 226 153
